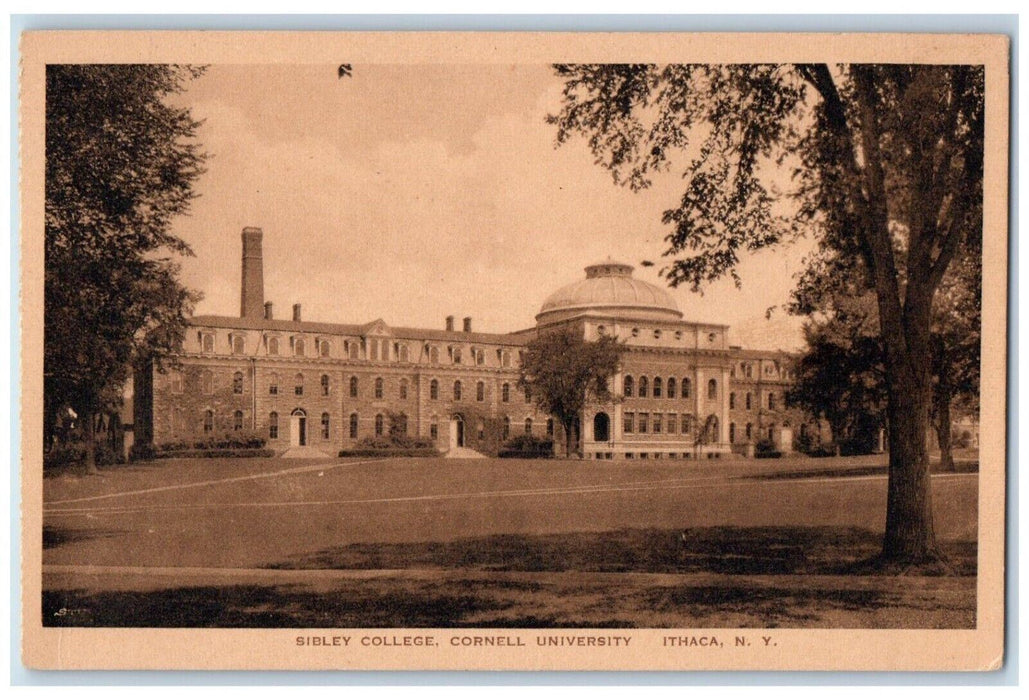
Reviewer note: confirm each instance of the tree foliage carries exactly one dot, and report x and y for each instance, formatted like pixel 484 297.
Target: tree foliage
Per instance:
pixel 882 163
pixel 120 166
pixel 565 372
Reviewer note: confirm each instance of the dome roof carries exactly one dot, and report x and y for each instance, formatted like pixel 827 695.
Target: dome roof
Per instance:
pixel 609 287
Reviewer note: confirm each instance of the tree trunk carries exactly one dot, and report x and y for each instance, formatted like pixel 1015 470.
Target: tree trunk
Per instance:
pixel 943 433
pixel 568 439
pixel 89 437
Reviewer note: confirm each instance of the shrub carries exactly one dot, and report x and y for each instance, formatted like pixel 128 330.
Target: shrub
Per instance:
pixel 765 449
pixel 394 442
pixel 72 453
pixel 215 452
pixel 390 452
pixel 527 447
pixel 237 439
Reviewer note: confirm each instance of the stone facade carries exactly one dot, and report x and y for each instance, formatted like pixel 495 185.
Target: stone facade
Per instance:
pixel 681 390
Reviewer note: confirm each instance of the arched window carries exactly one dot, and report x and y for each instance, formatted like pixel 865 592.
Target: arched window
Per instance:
pixel 671 387
pixel 505 358
pixel 434 355
pixel 207 342
pixel 732 399
pixel 325 426
pixel 456 353
pixel 354 350
pixel 480 357
pixel 507 427
pixel 273 346
pixel 505 392
pixel 238 345
pixel 273 384
pixel 712 390
pixel 627 386
pixel 685 393
pixel 732 432
pixel 457 390
pixel 353 387
pixel 207 381
pixel 273 426
pixel 325 385
pixel 237 420
pixel 373 348
pixel 237 383
pixel 353 426
pixel 175 381
pixel 771 401
pixel 298 384
pixel 298 347
pixel 378 387
pixel 403 388
pixel 208 421
pixel 379 422
pixel 403 354
pixel 747 402
pixel 657 387
pixel 324 348
pixel 434 390
pixel 480 391
pixel 750 430
pixel 643 387
pixel 550 427
pixel 672 428
pixel 528 426
pixel 434 428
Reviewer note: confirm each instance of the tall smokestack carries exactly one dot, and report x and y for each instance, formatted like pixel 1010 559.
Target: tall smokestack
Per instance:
pixel 252 285
pixel 467 324
pixel 296 312
pixel 268 310
pixel 450 323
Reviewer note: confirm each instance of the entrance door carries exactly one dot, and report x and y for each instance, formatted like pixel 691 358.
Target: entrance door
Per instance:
pixel 601 428
pixel 298 428
pixel 456 432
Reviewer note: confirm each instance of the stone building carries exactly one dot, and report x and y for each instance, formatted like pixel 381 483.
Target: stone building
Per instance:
pixel 682 391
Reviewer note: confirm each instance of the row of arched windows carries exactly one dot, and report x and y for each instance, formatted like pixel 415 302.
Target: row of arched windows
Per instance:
pixel 207 421
pixel 658 388
pixel 480 391
pixel 748 401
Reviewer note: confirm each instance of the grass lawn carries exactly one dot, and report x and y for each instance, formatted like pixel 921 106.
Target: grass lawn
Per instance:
pixel 503 543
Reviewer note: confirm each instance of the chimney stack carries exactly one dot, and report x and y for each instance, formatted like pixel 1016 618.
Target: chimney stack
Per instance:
pixel 296 312
pixel 268 310
pixel 251 300
pixel 467 324
pixel 450 323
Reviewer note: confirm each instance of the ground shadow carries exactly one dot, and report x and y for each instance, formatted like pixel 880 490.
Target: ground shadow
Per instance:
pixel 54 537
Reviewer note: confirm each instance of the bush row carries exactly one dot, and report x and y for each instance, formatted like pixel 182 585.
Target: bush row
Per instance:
pixel 142 452
pixel 63 455
pixel 235 440
pixel 527 447
pixel 392 442
pixel 390 452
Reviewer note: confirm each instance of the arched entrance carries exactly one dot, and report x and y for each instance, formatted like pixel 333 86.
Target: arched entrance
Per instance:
pixel 298 428
pixel 601 427
pixel 457 430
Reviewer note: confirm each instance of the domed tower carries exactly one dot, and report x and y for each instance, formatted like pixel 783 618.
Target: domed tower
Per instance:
pixel 609 289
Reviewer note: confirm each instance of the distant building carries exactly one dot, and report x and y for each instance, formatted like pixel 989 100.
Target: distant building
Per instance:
pixel 682 391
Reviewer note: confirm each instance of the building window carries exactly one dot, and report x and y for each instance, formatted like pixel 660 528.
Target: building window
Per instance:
pixel 273 426
pixel 373 348
pixel 480 357
pixel 657 334
pixel 685 388
pixel 480 391
pixel 325 385
pixel 600 330
pixel 434 355
pixel 732 432
pixel 627 388
pixel 747 402
pixel 298 384
pixel 298 347
pixel 434 428
pixel 353 387
pixel 528 394
pixel 207 381
pixel 771 401
pixel 237 420
pixel 434 390
pixel 401 424
pixel 378 387
pixel 627 422
pixel 353 426
pixel 671 387
pixel 672 428
pixel 208 421
pixel 325 426
pixel 505 392
pixel 403 388
pixel 403 354
pixel 507 427
pixel 678 335
pixel 657 422
pixel 686 425
pixel 354 351
pixel 273 346
pixel 456 352
pixel 712 390
pixel 505 358
pixel 750 430
pixel 643 388
pixel 207 342
pixel 457 390
pixel 238 345
pixel 324 348
pixel 237 383
pixel 378 425
pixel 657 387
pixel 175 381
pixel 643 422
pixel 550 427
pixel 749 370
pixel 732 399
pixel 528 426
pixel 635 332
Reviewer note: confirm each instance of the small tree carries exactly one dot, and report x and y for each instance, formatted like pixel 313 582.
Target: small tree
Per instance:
pixel 565 372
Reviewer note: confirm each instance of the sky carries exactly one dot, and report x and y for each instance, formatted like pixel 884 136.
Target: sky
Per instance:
pixel 414 192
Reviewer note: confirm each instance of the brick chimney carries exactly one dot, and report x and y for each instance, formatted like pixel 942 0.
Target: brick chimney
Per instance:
pixel 467 324
pixel 268 310
pixel 296 312
pixel 450 323
pixel 251 298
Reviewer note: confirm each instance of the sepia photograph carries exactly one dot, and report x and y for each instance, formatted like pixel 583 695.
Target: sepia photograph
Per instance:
pixel 440 352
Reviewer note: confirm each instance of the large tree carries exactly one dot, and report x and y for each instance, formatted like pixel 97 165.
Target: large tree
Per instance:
pixel 878 154
pixel 565 372
pixel 121 162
